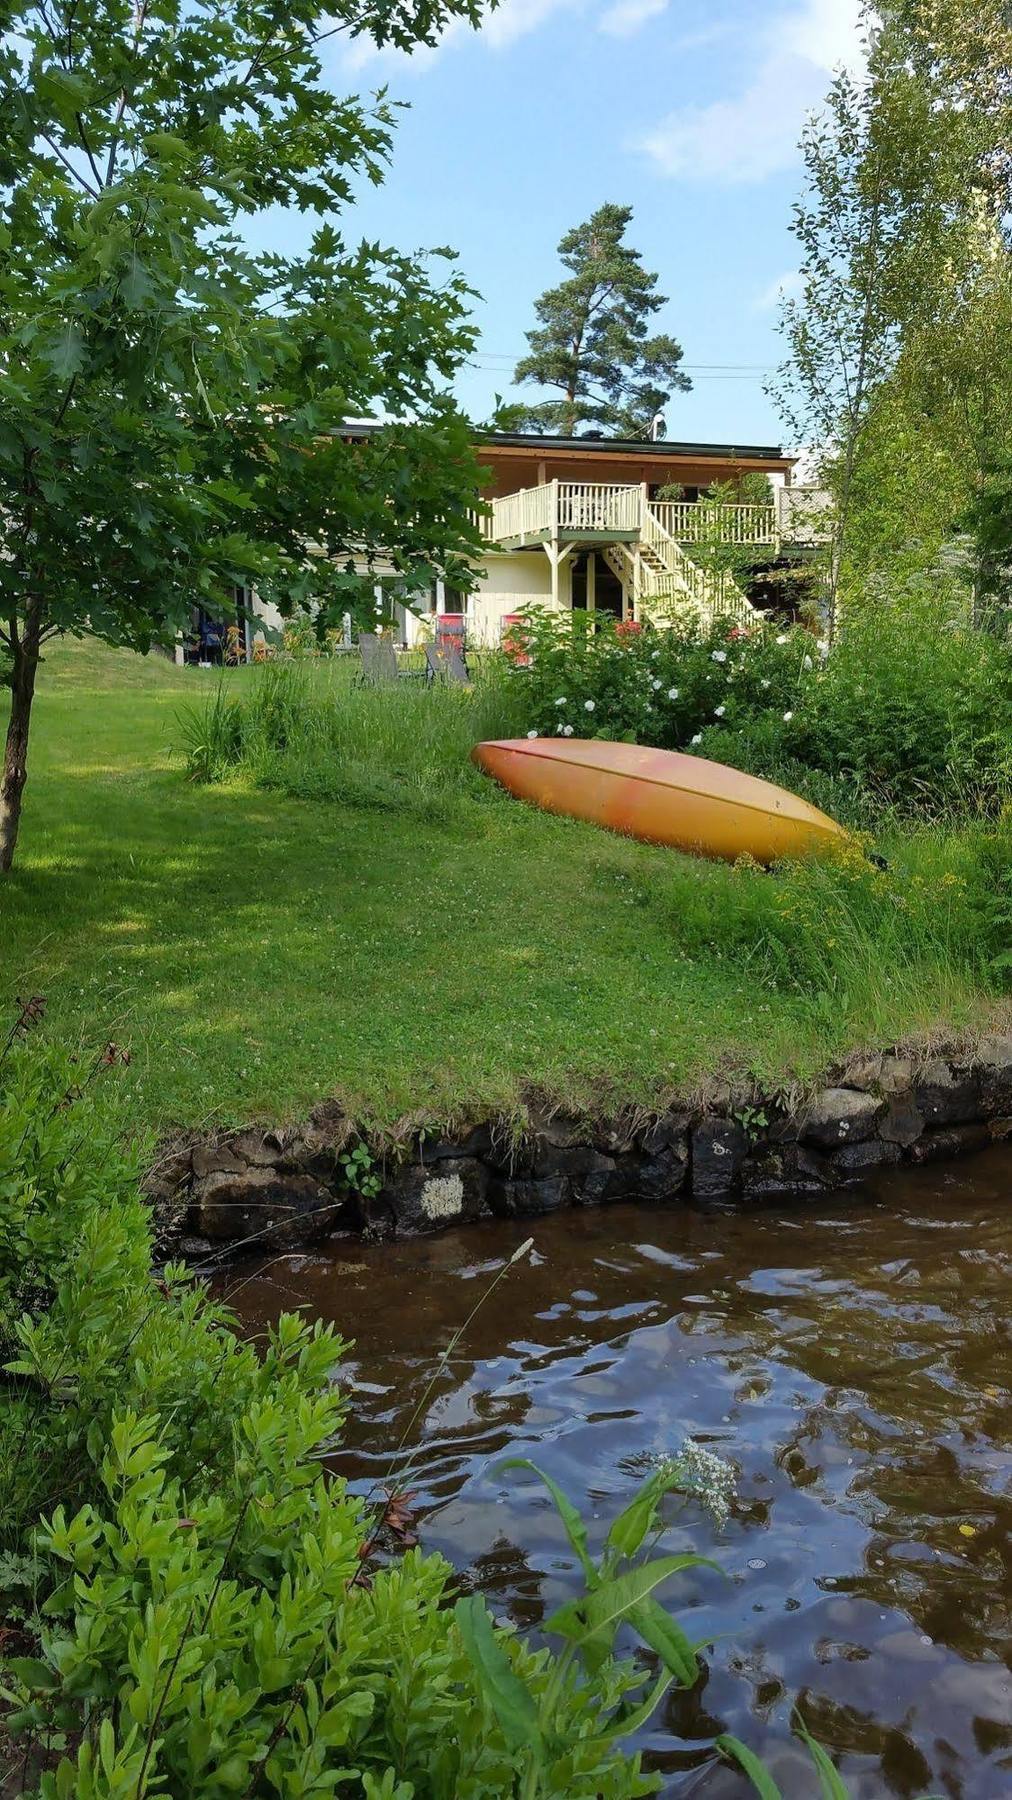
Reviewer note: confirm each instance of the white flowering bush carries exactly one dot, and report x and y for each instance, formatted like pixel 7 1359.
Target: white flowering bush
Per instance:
pixel 590 676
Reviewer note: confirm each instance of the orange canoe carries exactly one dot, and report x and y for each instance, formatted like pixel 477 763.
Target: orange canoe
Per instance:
pixel 660 797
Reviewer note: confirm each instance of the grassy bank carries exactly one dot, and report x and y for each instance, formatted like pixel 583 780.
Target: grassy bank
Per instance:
pixel 259 951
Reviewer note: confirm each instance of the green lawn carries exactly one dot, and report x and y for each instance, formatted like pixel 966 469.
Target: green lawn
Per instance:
pixel 258 952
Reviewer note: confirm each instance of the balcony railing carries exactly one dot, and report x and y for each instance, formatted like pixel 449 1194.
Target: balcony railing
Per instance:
pixel 615 510
pixel 708 522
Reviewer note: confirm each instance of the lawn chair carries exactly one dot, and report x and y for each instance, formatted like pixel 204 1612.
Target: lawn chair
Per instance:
pixel 445 663
pixel 379 658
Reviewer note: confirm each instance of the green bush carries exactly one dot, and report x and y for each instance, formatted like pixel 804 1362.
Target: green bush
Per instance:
pixel 915 709
pixel 200 1617
pixel 586 675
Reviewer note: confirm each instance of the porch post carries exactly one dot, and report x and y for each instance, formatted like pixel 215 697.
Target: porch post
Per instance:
pixel 440 595
pixel 591 580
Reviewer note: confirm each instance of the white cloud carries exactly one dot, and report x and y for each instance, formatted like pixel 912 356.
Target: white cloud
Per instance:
pixel 515 19
pixel 626 16
pixel 785 287
pixel 755 132
pixel 512 20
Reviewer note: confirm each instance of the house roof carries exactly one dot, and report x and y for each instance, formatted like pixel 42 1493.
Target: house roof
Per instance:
pixel 663 448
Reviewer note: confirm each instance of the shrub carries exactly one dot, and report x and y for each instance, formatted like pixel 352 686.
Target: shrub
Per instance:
pixel 914 708
pixel 201 1619
pixel 589 677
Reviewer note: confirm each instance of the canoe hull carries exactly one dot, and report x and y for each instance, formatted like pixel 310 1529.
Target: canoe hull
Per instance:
pixel 661 797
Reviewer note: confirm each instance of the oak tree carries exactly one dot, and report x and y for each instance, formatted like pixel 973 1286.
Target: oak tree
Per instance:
pixel 170 397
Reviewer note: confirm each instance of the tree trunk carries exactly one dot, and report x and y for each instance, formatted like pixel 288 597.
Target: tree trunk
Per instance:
pixel 15 765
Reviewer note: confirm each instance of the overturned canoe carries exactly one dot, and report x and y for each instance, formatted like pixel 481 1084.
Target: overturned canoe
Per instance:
pixel 660 797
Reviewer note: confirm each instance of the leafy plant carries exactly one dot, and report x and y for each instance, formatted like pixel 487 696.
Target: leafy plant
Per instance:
pixel 360 1171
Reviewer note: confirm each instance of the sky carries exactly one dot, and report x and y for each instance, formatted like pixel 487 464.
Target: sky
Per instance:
pixel 688 111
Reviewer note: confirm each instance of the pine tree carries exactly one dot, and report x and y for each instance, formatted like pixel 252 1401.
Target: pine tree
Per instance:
pixel 591 341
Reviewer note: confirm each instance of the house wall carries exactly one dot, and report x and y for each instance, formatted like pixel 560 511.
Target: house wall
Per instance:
pixel 508 582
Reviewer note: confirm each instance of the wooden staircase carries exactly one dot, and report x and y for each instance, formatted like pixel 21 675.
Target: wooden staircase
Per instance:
pixel 667 585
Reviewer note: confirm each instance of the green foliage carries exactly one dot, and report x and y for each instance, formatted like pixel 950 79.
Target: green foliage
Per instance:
pixel 910 711
pixel 148 339
pixel 319 734
pixel 588 676
pixel 591 341
pixel 204 1621
pixel 915 708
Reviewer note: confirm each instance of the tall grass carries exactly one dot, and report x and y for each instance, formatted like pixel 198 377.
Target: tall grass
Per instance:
pixel 317 733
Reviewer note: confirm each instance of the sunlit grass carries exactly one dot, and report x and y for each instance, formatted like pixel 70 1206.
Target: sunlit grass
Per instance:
pixel 259 952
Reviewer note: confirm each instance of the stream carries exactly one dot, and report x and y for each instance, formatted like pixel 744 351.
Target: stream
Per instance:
pixel 850 1356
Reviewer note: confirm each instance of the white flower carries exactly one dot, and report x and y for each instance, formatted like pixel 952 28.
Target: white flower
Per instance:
pixel 707 1478
pixel 559 729
pixel 588 706
pixel 672 693
pixel 788 716
pixel 718 712
pixel 765 684
pixel 806 662
pixel 655 685
pixel 567 731
pixel 532 734
pixel 654 654
pixel 561 701
pixel 782 639
pixel 718 656
pixel 697 739
pixel 823 648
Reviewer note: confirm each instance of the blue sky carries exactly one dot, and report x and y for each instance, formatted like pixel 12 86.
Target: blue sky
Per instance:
pixel 689 113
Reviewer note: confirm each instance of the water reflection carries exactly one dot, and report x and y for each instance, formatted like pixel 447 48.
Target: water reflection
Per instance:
pixel 852 1358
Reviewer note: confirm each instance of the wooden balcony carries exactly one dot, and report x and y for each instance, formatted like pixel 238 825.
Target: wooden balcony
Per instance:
pixel 573 512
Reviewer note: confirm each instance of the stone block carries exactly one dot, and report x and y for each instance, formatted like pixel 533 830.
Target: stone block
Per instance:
pixel 902 1122
pixel 953 1140
pixel 946 1096
pixel 275 1209
pixel 517 1196
pixel 857 1159
pixel 425 1197
pixel 840 1116
pixel 719 1149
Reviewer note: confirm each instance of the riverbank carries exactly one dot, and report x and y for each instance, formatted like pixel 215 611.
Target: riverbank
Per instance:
pixel 262 956
pixel 733 1147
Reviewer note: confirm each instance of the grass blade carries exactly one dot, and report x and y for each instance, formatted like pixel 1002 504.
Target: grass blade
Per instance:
pixel 761 1779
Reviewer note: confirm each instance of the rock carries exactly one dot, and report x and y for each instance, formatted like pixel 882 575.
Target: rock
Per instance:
pixel 470 1140
pixel 895 1074
pixel 258 1149
pixel 657 1177
pixel 277 1209
pixel 719 1149
pixel 514 1197
pixel 424 1197
pixel 957 1140
pixel 946 1097
pixel 855 1159
pixel 995 1074
pixel 215 1159
pixel 840 1116
pixel 791 1170
pixel 902 1123
pixel 669 1132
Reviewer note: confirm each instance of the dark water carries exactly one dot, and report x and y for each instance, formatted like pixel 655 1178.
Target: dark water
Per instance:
pixel 852 1358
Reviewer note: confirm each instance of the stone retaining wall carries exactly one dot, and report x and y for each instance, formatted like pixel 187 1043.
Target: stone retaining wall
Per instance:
pixel 262 1189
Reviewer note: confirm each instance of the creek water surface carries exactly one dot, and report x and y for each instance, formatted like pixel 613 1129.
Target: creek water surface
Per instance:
pixel 851 1357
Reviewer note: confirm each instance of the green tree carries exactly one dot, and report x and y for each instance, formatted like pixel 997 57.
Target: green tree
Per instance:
pixel 171 401
pixel 592 342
